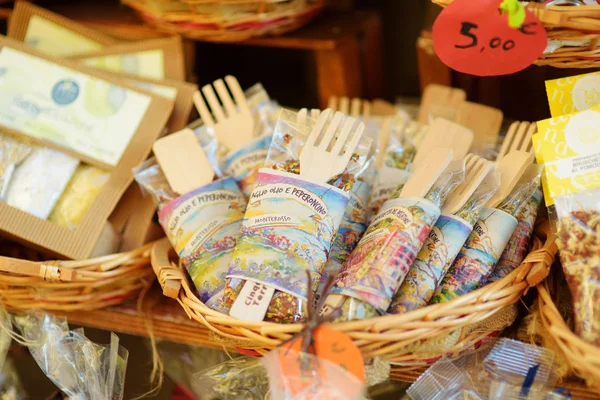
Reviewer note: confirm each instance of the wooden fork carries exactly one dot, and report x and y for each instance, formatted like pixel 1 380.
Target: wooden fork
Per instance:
pixel 518 138
pixel 234 127
pixel 477 169
pixel 355 107
pixel 317 163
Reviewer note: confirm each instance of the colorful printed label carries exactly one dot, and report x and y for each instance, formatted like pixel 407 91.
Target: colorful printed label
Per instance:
pixel 351 230
pixel 203 227
pixel 243 164
pixel 54 39
pixel 288 229
pixel 383 257
pixel 518 245
pixel 479 255
pixel 433 261
pixel 69 108
pixel 147 63
pixel 573 94
pixel 570 147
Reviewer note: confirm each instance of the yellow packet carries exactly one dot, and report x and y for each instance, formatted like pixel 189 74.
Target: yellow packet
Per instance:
pixel 573 94
pixel 539 159
pixel 570 150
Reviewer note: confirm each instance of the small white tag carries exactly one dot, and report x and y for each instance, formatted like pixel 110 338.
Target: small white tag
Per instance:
pixel 252 302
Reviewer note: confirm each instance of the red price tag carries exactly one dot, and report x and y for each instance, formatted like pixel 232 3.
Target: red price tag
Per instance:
pixel 473 37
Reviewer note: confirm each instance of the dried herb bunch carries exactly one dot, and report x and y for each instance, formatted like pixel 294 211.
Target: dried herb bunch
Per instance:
pixel 579 244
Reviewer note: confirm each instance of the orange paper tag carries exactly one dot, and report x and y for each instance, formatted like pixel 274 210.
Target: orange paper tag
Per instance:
pixel 330 345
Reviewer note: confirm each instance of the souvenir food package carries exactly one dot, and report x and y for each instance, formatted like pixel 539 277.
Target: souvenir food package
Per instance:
pixel 80 368
pixel 440 249
pixel 486 243
pixel 202 224
pixel 573 182
pixel 373 273
pixel 243 163
pixel 289 226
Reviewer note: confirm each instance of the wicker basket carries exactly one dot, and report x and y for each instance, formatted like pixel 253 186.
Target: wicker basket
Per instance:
pixel 583 358
pixel 572 24
pixel 226 20
pixel 73 285
pixel 408 339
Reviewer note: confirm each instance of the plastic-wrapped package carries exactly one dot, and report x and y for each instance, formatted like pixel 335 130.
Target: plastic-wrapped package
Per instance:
pixel 509 370
pixel 377 267
pixel 313 377
pixel 83 370
pixel 242 378
pixel 78 196
pixel 397 161
pixel 440 249
pixel 518 245
pixel 292 222
pixel 486 243
pixel 578 242
pixel 202 225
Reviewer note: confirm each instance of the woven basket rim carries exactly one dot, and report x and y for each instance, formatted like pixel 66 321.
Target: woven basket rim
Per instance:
pixel 584 358
pixel 383 335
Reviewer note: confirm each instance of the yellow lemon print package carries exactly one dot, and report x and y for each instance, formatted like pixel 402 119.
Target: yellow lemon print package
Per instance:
pixel 288 229
pixel 570 149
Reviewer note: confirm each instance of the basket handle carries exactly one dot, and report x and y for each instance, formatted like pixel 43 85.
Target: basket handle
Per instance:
pixel 47 270
pixel 168 275
pixel 542 258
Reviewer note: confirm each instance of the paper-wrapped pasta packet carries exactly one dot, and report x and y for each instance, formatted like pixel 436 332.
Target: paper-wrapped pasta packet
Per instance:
pixel 290 223
pixel 83 370
pixel 378 265
pixel 243 163
pixel 447 237
pixel 490 236
pixel 201 217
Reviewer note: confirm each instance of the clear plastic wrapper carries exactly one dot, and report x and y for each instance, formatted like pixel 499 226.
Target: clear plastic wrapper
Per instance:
pixel 440 249
pixel 83 370
pixel 377 267
pixel 202 225
pixel 292 238
pixel 486 243
pixel 242 378
pixel 578 242
pixel 509 370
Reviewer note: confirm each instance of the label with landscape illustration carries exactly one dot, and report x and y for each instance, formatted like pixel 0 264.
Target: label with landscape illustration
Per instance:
pixel 433 261
pixel 518 246
pixel 384 255
pixel 203 227
pixel 479 255
pixel 243 164
pixel 288 229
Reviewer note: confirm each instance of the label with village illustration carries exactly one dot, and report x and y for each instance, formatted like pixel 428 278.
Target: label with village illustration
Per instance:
pixel 384 255
pixel 288 229
pixel 518 245
pixel 203 226
pixel 243 164
pixel 383 191
pixel 479 255
pixel 433 261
